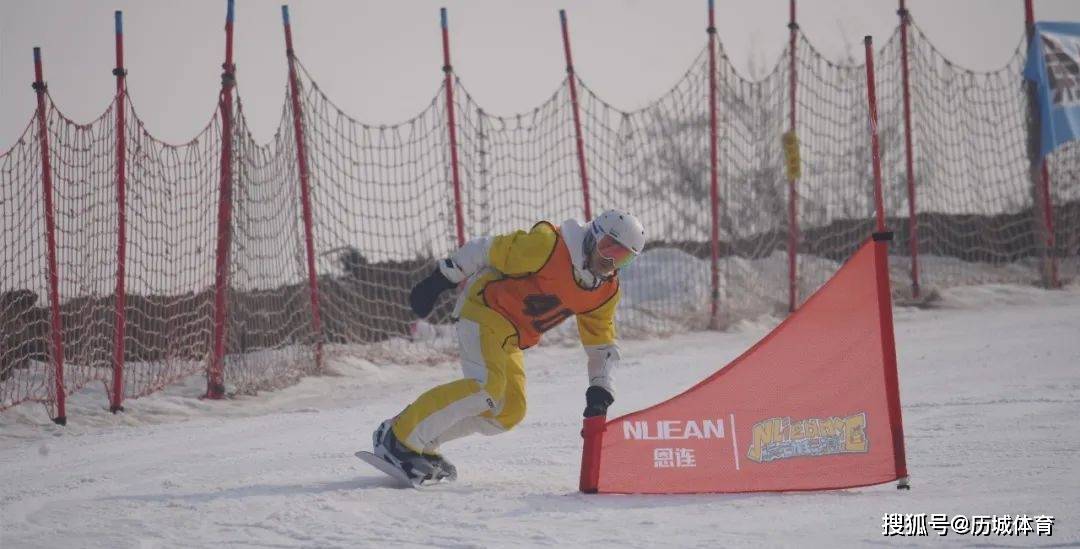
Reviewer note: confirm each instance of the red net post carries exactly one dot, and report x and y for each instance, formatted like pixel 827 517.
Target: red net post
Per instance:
pixel 913 221
pixel 592 430
pixel 1041 174
pixel 117 397
pixel 793 207
pixel 215 387
pixel 1044 176
pixel 448 70
pixel 305 189
pixel 1048 220
pixel 1029 18
pixel 580 140
pixel 56 326
pixel 714 188
pixel 875 148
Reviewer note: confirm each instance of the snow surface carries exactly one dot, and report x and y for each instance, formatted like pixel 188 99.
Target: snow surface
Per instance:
pixel 990 385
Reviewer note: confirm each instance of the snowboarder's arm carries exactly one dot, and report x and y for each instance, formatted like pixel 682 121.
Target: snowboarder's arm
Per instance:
pixel 516 253
pixel 597 331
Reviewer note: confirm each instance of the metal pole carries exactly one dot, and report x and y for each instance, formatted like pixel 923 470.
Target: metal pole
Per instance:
pixel 913 221
pixel 305 190
pixel 116 402
pixel 448 70
pixel 793 208
pixel 871 97
pixel 577 115
pixel 714 198
pixel 215 387
pixel 56 324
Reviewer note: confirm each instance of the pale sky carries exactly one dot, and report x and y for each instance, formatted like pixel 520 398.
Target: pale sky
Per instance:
pixel 380 60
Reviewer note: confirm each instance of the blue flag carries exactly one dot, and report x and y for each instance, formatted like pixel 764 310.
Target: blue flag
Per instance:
pixel 1054 65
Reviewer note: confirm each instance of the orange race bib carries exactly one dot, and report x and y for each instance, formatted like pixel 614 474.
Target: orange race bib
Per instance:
pixel 540 301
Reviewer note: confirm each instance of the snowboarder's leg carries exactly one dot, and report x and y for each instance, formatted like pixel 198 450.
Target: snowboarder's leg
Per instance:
pixel 486 357
pixel 511 409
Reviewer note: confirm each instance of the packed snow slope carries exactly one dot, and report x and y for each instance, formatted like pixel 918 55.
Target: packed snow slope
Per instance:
pixel 990 385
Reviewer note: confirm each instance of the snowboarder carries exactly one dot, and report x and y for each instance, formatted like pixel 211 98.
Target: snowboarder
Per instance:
pixel 517 286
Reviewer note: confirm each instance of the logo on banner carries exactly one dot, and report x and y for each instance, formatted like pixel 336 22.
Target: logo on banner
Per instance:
pixel 1061 53
pixel 781 438
pixel 673 429
pixel 666 458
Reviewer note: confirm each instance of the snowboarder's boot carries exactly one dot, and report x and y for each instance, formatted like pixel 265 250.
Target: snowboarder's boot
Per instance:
pixel 444 469
pixel 389 448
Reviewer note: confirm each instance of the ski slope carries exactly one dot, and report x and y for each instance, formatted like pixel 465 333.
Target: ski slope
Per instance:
pixel 990 385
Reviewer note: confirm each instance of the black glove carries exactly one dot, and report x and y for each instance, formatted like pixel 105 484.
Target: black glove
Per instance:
pixel 423 296
pixel 597 400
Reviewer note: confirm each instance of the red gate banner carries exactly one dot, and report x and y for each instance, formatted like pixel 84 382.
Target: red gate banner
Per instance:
pixel 812 406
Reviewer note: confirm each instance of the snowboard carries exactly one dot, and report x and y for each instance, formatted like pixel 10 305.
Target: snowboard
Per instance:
pixel 393 472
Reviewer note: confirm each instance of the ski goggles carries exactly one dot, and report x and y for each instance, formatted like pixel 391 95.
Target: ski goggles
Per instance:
pixel 612 250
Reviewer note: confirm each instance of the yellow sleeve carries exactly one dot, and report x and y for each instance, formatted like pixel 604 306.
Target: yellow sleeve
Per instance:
pixel 597 327
pixel 519 253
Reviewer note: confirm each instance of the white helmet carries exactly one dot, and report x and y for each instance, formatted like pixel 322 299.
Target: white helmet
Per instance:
pixel 616 235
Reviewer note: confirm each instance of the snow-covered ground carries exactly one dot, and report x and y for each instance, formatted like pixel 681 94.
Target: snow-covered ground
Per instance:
pixel 990 384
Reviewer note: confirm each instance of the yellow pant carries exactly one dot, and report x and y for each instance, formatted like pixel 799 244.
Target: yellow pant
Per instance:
pixel 489 400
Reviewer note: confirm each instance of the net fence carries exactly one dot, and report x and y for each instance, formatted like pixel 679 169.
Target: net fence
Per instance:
pixel 383 211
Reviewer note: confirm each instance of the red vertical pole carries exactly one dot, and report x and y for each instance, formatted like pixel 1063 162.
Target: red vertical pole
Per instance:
pixel 913 222
pixel 714 198
pixel 881 266
pixel 1044 176
pixel 793 208
pixel 116 402
pixel 1048 219
pixel 592 431
pixel 305 189
pixel 1029 18
pixel 871 97
pixel 448 70
pixel 50 234
pixel 577 115
pixel 215 386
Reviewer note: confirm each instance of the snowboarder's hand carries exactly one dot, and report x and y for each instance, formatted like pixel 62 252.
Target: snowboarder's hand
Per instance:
pixel 597 400
pixel 423 296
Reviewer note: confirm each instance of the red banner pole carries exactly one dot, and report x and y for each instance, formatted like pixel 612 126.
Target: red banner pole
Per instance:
pixel 913 221
pixel 793 208
pixel 871 96
pixel 56 324
pixel 448 70
pixel 888 342
pixel 215 386
pixel 884 294
pixel 305 190
pixel 592 431
pixel 577 115
pixel 714 199
pixel 116 402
